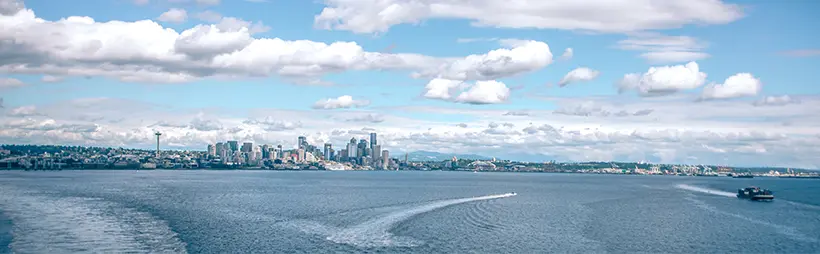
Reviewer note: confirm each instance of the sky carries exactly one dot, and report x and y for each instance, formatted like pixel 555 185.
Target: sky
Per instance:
pixel 662 81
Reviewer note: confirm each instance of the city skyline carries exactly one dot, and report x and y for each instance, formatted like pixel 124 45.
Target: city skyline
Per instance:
pixel 694 82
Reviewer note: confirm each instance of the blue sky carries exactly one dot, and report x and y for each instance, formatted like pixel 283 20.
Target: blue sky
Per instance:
pixel 772 41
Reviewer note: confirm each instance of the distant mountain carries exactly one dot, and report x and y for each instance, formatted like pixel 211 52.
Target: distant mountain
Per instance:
pixel 434 156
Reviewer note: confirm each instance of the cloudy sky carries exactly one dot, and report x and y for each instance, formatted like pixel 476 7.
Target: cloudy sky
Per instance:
pixel 690 81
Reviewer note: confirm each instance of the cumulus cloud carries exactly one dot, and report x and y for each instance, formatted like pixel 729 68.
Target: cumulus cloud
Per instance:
pixel 11 83
pixel 23 111
pixel 51 79
pixel 144 51
pixel 775 101
pixel 738 85
pixel 580 74
pixel 377 16
pixel 521 56
pixel 663 80
pixel 661 49
pixel 366 118
pixel 272 124
pixel 656 137
pixel 482 92
pixel 590 108
pixel 344 101
pixel 174 15
pixel 568 53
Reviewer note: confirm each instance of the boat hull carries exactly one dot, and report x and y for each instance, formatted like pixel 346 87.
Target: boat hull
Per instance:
pixel 757 197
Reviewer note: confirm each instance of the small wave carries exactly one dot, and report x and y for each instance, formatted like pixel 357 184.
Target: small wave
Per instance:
pixel 706 190
pixel 781 229
pixel 375 232
pixel 47 224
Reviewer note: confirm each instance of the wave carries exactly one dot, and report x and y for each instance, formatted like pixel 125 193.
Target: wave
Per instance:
pixel 706 190
pixel 780 229
pixel 50 224
pixel 375 232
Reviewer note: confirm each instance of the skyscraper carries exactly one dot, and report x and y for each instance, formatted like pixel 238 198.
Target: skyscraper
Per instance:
pixel 328 147
pixel 385 159
pixel 302 142
pixel 211 150
pixel 300 155
pixel 219 148
pixel 377 152
pixel 351 149
pixel 373 139
pixel 247 147
pixel 233 145
pixel 362 148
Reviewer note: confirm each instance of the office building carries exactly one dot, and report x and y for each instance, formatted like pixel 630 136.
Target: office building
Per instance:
pixel 233 145
pixel 211 150
pixel 385 159
pixel 247 147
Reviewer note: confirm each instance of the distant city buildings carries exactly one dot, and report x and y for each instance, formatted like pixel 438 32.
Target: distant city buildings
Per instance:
pixel 357 154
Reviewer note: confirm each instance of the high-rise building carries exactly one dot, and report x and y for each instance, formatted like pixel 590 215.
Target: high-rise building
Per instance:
pixel 362 148
pixel 385 159
pixel 332 154
pixel 233 145
pixel 377 152
pixel 302 142
pixel 373 139
pixel 265 151
pixel 300 155
pixel 247 147
pixel 211 150
pixel 328 147
pixel 351 149
pixel 219 148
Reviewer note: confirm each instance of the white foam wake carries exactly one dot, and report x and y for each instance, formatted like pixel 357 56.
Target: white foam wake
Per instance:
pixel 49 224
pixel 375 232
pixel 706 190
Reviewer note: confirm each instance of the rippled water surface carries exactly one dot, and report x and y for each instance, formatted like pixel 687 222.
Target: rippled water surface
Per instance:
pixel 399 212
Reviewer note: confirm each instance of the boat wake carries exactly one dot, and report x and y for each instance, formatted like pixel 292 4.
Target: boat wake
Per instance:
pixel 780 229
pixel 43 223
pixel 376 231
pixel 706 190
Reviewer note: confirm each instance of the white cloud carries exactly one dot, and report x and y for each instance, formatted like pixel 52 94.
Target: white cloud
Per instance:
pixel 23 111
pixel 775 101
pixel 520 57
pixel 174 15
pixel 585 133
pixel 209 16
pixel 482 92
pixel 665 49
pixel 377 16
pixel 738 85
pixel 485 92
pixel 51 79
pixel 344 101
pixel 580 74
pixel 568 53
pixel 663 80
pixel 673 56
pixel 144 51
pixel 11 83
pixel 10 7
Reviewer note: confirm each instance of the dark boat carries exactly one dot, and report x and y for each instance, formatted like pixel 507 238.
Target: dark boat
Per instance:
pixel 755 193
pixel 743 176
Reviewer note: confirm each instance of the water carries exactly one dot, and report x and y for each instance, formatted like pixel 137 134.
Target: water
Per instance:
pixel 399 212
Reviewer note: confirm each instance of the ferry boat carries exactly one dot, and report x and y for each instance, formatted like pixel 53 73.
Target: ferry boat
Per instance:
pixel 755 193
